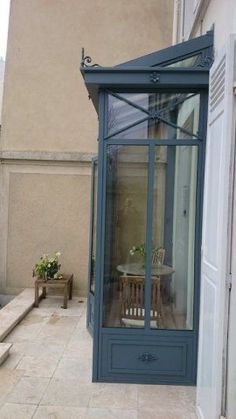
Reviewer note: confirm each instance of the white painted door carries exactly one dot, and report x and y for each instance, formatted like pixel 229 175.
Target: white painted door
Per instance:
pixel 231 370
pixel 216 235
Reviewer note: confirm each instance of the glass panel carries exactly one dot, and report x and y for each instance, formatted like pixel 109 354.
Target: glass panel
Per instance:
pixel 125 234
pixel 187 62
pixel 94 228
pixel 121 114
pixel 174 237
pixel 153 115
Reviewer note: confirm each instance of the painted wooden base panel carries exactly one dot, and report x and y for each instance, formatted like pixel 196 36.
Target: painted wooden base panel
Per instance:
pixel 143 359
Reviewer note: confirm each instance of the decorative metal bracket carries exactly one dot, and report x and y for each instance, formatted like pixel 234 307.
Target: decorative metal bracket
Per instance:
pixel 205 61
pixel 86 60
pixel 154 77
pixel 154 115
pixel 147 357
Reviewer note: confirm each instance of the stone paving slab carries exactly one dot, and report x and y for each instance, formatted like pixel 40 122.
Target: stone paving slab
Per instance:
pixel 10 315
pixel 17 411
pixel 4 351
pixel 59 412
pixel 48 374
pixel 8 381
pixel 15 311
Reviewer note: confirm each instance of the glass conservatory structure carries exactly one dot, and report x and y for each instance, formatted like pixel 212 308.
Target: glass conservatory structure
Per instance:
pixel 147 184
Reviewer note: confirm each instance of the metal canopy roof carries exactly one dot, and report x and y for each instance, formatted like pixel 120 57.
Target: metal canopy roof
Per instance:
pixel 182 66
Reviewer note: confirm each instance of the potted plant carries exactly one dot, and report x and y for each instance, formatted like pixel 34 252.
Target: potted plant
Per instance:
pixel 48 267
pixel 141 250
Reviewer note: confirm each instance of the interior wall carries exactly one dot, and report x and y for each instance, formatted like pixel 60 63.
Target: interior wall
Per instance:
pixel 185 212
pixel 130 206
pixel 180 233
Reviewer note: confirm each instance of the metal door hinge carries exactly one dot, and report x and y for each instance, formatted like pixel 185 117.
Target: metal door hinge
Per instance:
pixel 234 88
pixel 229 284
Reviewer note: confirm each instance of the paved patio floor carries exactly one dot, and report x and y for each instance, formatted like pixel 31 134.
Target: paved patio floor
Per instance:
pixel 48 375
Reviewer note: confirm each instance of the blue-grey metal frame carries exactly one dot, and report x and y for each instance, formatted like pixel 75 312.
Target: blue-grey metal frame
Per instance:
pixel 93 207
pixel 201 46
pixel 129 354
pixel 106 338
pixel 149 116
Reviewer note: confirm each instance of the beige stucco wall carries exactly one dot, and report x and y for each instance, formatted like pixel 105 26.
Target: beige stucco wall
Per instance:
pixel 49 127
pixel 2 67
pixel 44 208
pixel 48 108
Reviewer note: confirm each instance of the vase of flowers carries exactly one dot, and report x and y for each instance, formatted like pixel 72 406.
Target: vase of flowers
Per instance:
pixel 141 250
pixel 48 267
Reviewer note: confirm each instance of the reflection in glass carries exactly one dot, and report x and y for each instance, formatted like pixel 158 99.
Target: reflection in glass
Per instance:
pixel 173 237
pixel 174 199
pixel 94 228
pixel 125 228
pixel 153 115
pixel 186 62
pixel 122 114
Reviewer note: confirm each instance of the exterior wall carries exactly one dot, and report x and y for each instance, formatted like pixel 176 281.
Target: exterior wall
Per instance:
pixel 2 68
pixel 200 16
pixel 49 127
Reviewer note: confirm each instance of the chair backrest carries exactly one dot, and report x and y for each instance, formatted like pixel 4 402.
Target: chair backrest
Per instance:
pixel 158 257
pixel 132 298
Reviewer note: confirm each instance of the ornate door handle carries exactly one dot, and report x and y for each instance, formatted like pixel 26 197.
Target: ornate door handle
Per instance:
pixel 147 357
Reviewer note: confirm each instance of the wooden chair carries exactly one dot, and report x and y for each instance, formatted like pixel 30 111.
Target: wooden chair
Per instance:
pixel 159 256
pixel 132 312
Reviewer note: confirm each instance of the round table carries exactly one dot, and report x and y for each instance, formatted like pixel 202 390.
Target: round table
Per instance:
pixel 138 269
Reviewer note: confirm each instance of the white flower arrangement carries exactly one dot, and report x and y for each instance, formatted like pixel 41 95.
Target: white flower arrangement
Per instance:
pixel 48 267
pixel 141 249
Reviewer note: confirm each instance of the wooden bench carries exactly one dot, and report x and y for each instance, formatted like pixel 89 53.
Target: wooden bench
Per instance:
pixel 66 282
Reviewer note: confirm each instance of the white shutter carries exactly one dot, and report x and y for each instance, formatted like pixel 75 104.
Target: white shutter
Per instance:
pixel 216 234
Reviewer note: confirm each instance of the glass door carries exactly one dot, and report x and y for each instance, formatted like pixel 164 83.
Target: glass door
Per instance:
pixel 173 234
pixel 152 157
pixel 125 229
pixel 172 262
pixel 92 247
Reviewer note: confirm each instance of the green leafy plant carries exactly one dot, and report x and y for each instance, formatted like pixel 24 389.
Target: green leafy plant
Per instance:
pixel 48 267
pixel 141 250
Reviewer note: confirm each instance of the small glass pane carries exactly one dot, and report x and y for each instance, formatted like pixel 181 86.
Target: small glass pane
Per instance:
pixel 174 213
pixel 186 62
pixel 121 113
pixel 94 229
pixel 125 234
pixel 153 115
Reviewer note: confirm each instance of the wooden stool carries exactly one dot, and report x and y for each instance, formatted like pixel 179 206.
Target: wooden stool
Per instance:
pixel 65 282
